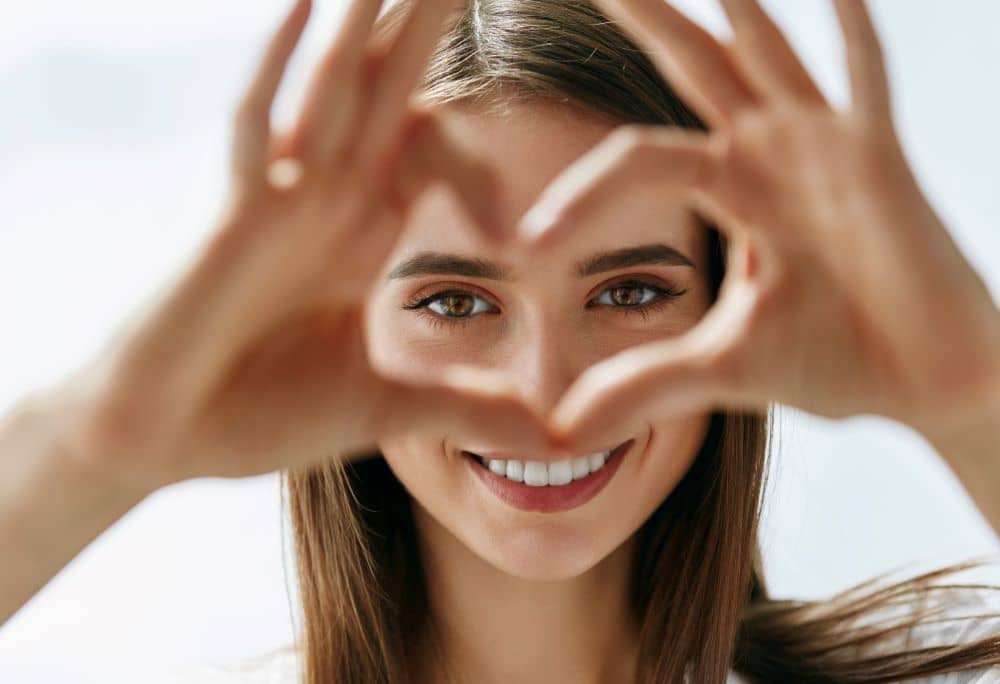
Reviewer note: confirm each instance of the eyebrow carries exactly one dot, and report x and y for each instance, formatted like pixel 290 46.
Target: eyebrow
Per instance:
pixel 441 263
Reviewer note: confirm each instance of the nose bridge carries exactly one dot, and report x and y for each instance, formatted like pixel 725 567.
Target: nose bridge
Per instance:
pixel 542 364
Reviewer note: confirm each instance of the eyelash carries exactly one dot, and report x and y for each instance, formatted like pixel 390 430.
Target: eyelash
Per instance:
pixel 666 295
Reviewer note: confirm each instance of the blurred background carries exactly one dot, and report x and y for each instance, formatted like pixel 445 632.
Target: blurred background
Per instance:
pixel 114 135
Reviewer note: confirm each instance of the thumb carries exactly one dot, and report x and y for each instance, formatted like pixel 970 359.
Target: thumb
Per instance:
pixel 467 405
pixel 624 392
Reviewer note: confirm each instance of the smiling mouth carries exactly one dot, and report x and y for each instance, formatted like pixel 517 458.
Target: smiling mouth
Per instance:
pixel 548 486
pixel 545 473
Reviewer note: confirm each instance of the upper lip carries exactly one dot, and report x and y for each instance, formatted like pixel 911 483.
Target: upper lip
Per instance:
pixel 557 456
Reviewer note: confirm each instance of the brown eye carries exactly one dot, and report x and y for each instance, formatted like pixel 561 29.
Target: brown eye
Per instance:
pixel 635 295
pixel 450 307
pixel 454 305
pixel 626 296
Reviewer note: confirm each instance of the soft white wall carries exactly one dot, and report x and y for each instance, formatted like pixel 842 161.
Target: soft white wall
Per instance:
pixel 114 125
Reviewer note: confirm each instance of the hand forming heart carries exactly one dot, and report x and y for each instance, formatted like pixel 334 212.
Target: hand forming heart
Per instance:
pixel 844 293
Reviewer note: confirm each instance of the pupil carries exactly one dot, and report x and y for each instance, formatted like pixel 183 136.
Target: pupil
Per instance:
pixel 621 299
pixel 459 310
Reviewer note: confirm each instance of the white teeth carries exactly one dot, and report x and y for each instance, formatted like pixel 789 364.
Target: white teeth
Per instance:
pixel 560 472
pixel 554 473
pixel 515 471
pixel 536 474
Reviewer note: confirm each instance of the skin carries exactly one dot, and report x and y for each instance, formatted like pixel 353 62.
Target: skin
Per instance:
pixel 551 587
pixel 253 359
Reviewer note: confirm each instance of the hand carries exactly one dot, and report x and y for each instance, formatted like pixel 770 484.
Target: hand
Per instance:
pixel 844 293
pixel 255 359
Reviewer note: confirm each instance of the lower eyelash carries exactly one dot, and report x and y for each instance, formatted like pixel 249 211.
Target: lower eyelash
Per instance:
pixel 645 309
pixel 442 321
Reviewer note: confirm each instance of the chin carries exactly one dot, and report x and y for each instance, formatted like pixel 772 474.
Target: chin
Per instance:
pixel 545 552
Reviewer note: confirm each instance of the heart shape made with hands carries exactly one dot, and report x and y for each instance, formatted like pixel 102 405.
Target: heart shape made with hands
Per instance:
pixel 843 292
pixel 793 185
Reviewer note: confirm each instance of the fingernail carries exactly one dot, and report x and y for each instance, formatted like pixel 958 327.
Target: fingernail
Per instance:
pixel 284 173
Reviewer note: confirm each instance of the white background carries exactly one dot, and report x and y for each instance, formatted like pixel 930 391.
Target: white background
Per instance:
pixel 114 129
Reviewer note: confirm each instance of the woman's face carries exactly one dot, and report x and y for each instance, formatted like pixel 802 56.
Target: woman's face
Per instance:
pixel 542 323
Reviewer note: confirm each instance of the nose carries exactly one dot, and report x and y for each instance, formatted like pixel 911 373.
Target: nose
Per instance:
pixel 541 364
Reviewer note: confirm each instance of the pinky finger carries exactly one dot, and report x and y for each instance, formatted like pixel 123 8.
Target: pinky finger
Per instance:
pixel 252 131
pixel 866 62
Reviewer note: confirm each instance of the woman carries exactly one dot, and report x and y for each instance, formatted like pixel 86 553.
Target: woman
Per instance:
pixel 533 450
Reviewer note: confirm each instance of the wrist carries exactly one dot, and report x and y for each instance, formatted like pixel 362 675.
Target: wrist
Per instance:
pixel 970 447
pixel 975 427
pixel 50 419
pixel 52 503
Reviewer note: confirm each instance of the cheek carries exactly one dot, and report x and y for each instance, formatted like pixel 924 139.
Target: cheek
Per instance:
pixel 436 480
pixel 672 449
pixel 419 463
pixel 403 343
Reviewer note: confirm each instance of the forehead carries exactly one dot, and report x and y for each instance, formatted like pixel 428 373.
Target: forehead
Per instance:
pixel 529 145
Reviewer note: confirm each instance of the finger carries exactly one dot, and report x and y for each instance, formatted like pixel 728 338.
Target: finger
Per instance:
pixel 655 381
pixel 399 71
pixel 866 62
pixel 428 155
pixel 631 158
pixel 767 59
pixel 252 134
pixel 472 409
pixel 688 55
pixel 332 101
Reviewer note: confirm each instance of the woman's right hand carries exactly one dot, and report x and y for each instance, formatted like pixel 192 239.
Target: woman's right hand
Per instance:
pixel 255 360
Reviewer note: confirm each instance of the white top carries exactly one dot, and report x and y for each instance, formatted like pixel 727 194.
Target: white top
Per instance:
pixel 284 667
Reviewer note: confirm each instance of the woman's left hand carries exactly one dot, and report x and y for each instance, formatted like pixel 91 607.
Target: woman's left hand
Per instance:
pixel 844 293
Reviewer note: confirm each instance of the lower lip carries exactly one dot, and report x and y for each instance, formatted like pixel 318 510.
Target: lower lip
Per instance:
pixel 549 499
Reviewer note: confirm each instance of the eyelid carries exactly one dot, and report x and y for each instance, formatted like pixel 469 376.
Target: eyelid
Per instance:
pixel 439 289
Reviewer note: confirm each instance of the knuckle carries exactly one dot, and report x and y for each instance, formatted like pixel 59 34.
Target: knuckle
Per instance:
pixel 419 130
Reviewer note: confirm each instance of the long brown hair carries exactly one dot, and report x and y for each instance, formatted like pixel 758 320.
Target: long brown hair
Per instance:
pixel 698 588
